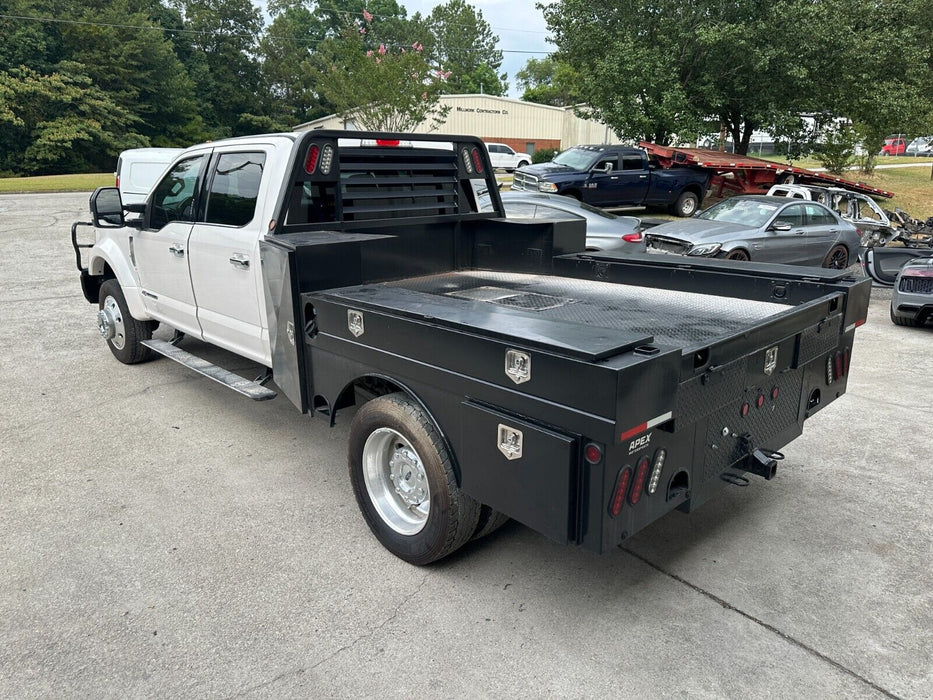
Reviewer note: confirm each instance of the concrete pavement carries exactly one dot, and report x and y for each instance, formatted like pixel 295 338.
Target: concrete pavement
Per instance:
pixel 160 536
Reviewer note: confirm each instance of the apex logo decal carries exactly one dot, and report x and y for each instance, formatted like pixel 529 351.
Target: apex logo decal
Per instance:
pixel 639 443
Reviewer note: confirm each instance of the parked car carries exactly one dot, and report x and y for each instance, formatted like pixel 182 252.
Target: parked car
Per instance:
pixel 605 232
pixel 503 156
pixel 138 169
pixel 894 145
pixel 922 146
pixel 912 298
pixel 872 223
pixel 616 176
pixel 763 229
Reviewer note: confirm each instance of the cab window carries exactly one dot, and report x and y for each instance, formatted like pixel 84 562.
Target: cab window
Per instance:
pixel 632 163
pixel 174 198
pixel 234 189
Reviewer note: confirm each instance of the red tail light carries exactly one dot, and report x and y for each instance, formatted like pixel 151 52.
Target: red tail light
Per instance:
pixel 118 182
pixel 387 142
pixel 633 237
pixel 311 159
pixel 592 453
pixel 641 473
pixel 618 495
pixel 477 161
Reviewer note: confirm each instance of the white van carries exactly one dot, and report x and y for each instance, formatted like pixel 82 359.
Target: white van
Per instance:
pixel 139 168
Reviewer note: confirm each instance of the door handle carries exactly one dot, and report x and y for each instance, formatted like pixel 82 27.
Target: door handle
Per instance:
pixel 239 260
pixel 614 177
pixel 177 251
pixel 642 177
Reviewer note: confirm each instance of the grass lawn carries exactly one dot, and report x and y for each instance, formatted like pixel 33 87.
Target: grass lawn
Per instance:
pixel 56 183
pixel 912 188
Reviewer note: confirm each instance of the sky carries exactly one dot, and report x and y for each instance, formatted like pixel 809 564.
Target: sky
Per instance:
pixel 519 25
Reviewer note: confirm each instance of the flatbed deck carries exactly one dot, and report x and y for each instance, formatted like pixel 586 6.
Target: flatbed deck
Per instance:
pixel 581 318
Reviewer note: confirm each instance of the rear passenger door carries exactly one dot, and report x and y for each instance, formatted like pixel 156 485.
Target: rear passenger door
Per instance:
pixel 823 232
pixel 224 254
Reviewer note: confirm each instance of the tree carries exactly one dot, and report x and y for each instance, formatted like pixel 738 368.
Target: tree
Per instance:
pixel 549 82
pixel 665 69
pixel 224 36
pixel 382 89
pixel 58 123
pixel 460 41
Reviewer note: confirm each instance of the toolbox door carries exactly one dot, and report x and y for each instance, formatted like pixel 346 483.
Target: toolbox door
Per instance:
pixel 526 471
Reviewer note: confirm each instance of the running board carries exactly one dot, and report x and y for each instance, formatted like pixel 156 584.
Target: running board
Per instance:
pixel 254 390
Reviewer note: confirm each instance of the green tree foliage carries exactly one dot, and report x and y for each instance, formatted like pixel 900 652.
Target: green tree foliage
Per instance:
pixel 660 69
pixel 391 89
pixel 548 81
pixel 460 42
pixel 53 123
pixel 224 37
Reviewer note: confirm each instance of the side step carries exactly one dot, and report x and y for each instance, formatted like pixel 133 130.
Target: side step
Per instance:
pixel 254 390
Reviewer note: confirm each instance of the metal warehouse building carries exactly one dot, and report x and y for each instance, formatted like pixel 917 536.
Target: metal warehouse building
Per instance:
pixel 525 126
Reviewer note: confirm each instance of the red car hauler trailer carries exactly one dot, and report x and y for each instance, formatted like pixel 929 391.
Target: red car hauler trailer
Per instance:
pixel 746 174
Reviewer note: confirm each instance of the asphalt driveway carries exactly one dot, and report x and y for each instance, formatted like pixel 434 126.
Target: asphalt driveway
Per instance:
pixel 163 537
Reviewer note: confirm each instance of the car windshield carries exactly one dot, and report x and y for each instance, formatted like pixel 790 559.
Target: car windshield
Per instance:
pixel 748 212
pixel 576 158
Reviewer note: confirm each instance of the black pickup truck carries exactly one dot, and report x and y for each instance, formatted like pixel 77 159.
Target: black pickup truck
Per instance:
pixel 612 176
pixel 497 371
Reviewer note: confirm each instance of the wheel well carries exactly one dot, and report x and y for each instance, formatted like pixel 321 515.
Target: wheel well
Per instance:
pixel 693 189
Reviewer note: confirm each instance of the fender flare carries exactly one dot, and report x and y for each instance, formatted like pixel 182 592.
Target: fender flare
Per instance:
pixel 107 254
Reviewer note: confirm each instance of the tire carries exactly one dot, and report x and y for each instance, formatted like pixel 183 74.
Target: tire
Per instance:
pixel 427 517
pixel 787 179
pixel 737 254
pixel 490 520
pixel 123 333
pixel 903 320
pixel 837 258
pixel 686 205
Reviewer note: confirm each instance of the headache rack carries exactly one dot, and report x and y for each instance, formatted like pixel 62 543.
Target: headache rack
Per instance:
pixel 349 180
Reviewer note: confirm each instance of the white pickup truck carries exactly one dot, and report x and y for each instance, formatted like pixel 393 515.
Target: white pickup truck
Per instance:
pixel 498 369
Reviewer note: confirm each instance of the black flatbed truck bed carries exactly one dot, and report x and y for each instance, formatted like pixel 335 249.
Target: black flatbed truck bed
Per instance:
pixel 498 370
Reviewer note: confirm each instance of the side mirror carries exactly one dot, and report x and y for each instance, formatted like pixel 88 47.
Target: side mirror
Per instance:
pixel 604 168
pixel 781 226
pixel 107 208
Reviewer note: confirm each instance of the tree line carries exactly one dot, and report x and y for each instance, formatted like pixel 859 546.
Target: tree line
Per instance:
pixel 81 80
pixel 670 69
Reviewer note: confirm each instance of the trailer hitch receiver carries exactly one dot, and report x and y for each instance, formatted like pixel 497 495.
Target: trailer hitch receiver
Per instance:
pixel 761 462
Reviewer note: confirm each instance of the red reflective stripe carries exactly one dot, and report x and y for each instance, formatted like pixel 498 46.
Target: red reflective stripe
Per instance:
pixel 387 142
pixel 860 323
pixel 634 431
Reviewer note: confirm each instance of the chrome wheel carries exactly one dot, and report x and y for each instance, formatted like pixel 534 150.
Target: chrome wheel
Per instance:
pixel 110 323
pixel 396 481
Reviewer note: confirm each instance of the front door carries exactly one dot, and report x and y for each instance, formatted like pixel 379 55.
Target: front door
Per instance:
pixel 224 260
pixel 160 249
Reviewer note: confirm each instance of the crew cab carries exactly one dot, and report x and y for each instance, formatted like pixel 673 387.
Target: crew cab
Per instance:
pixel 497 369
pixel 613 176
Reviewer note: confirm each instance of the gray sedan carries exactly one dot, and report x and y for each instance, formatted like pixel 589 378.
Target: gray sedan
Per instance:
pixel 604 231
pixel 763 229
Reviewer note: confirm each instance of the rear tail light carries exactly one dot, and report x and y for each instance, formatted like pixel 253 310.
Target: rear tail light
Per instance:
pixel 311 158
pixel 592 453
pixel 656 470
pixel 477 161
pixel 618 495
pixel 327 159
pixel 633 237
pixel 118 181
pixel 641 473
pixel 387 142
pixel 467 163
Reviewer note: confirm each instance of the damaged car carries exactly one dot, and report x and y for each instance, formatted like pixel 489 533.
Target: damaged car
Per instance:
pixel 763 229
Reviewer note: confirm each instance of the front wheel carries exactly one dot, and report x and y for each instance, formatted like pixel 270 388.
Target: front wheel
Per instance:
pixel 123 333
pixel 403 478
pixel 737 254
pixel 686 205
pixel 837 258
